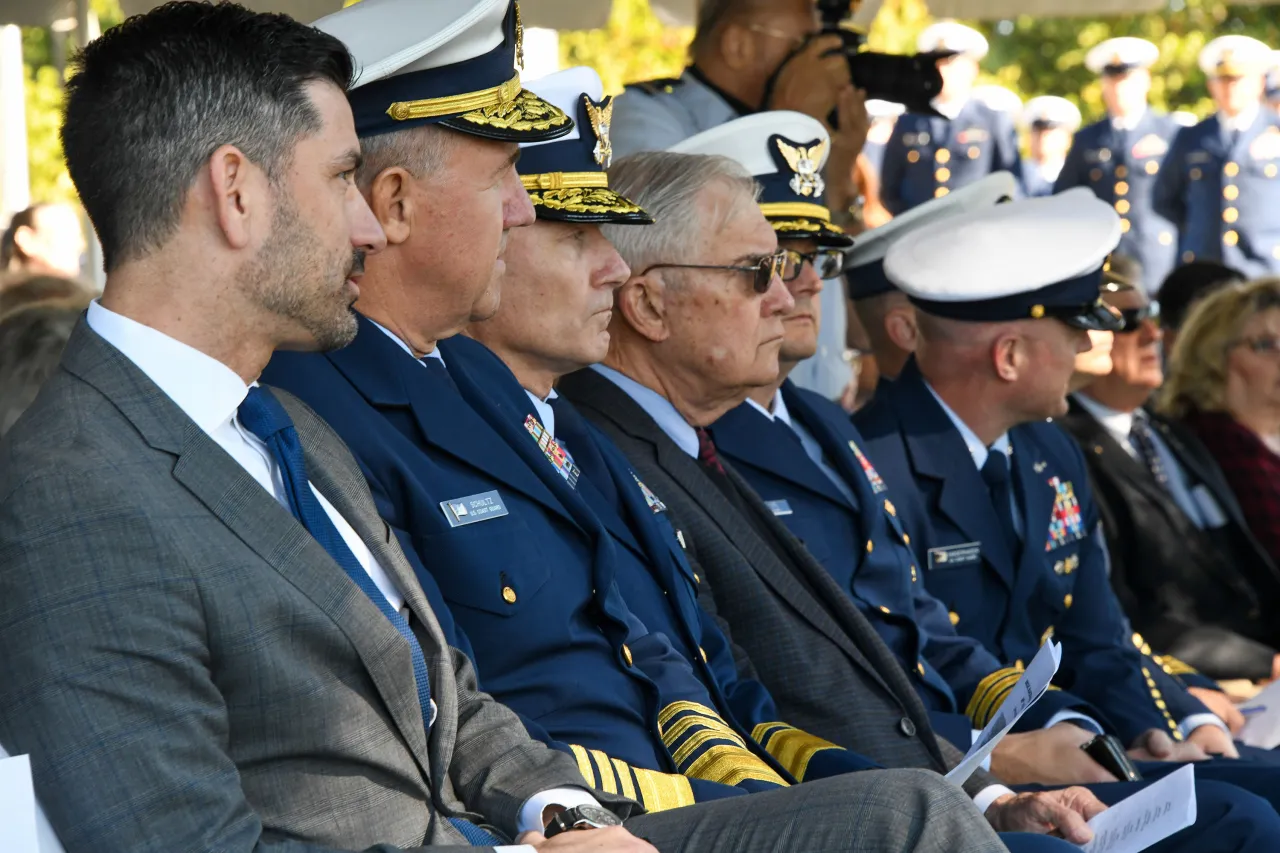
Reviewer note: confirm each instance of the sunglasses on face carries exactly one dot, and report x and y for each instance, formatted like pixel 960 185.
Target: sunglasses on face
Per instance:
pixel 762 272
pixel 1133 318
pixel 827 263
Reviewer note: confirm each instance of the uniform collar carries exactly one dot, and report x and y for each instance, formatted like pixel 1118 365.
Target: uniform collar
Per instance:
pixel 1128 122
pixel 977 449
pixel 1243 121
pixel 779 411
pixel 204 388
pixel 1117 423
pixel 1049 171
pixel 742 108
pixel 546 414
pixel 435 351
pixel 951 109
pixel 657 407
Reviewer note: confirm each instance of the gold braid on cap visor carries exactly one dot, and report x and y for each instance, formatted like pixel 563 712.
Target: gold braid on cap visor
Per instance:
pixel 505 107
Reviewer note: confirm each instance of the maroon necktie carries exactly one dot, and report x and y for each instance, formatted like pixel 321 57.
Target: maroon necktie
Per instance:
pixel 707 455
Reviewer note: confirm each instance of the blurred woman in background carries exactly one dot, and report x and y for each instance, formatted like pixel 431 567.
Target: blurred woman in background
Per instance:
pixel 1223 382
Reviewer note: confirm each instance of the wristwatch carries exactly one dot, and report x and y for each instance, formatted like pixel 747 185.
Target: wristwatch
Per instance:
pixel 581 817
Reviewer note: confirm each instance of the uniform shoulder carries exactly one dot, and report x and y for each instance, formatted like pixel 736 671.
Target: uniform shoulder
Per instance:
pixel 654 88
pixel 1055 444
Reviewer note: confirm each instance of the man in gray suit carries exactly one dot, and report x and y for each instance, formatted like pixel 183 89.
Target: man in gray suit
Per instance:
pixel 209 640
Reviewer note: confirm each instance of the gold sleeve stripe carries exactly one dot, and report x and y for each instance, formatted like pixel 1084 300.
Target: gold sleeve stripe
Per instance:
pixel 584 765
pixel 989 692
pixel 791 747
pixel 1173 666
pixel 672 734
pixel 662 791
pixel 607 782
pixel 730 765
pixel 624 778
pixel 675 709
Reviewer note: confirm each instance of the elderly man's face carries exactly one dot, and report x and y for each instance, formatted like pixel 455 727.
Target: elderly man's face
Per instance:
pixel 721 329
pixel 800 324
pixel 466 210
pixel 558 296
pixel 1136 356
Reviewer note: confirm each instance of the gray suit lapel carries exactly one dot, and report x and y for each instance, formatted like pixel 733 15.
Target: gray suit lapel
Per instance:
pixel 335 473
pixel 258 520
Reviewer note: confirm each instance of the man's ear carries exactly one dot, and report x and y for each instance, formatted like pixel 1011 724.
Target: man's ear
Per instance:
pixel 1009 356
pixel 900 326
pixel 391 200
pixel 240 196
pixel 737 47
pixel 645 304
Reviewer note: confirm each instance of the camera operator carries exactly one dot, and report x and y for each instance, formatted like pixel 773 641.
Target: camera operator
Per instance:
pixel 744 51
pixel 930 156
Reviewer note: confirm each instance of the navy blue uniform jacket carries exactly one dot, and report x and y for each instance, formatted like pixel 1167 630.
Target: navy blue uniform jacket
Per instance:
pixel 1057 588
pixel 1122 167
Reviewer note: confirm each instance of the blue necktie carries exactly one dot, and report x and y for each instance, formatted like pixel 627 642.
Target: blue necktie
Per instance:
pixel 262 414
pixel 995 473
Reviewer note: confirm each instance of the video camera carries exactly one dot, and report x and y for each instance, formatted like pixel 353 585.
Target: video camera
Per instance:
pixel 912 81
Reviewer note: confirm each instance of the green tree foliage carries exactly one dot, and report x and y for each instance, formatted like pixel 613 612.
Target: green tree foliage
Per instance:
pixel 634 45
pixel 49 178
pixel 1045 56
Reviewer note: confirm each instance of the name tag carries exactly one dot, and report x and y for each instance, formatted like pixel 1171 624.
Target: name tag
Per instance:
pixel 1199 157
pixel 1210 512
pixel 460 512
pixel 778 508
pixel 955 555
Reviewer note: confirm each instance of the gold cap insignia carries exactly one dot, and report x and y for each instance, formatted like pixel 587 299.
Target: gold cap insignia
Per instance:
pixel 804 162
pixel 601 116
pixel 519 39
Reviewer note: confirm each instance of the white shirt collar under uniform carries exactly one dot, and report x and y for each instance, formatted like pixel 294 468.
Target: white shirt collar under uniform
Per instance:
pixel 658 407
pixel 1125 123
pixel 1118 424
pixel 1241 122
pixel 977 449
pixel 779 412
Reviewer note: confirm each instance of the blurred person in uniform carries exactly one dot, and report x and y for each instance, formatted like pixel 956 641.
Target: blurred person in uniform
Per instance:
pixel 1119 157
pixel 883 310
pixel 1184 287
pixel 1223 384
pixel 751 55
pixel 1192 579
pixel 929 156
pixel 44 239
pixel 883 116
pixel 1271 89
pixel 1050 123
pixel 1220 181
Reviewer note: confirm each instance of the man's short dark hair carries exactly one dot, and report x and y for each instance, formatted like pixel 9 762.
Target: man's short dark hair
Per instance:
pixel 1188 284
pixel 153 98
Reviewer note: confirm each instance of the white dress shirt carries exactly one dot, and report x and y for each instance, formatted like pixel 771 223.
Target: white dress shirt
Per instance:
pixel 1127 123
pixel 1049 170
pixel 1241 121
pixel 949 109
pixel 1195 501
pixel 210 393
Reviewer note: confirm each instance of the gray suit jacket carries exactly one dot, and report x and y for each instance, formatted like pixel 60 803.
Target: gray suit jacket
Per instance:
pixel 828 670
pixel 188 667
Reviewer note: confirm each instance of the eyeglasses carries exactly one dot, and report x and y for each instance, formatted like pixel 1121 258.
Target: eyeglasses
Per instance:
pixel 827 263
pixel 1269 345
pixel 763 271
pixel 1133 318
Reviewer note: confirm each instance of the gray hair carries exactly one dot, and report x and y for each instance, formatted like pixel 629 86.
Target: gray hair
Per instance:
pixel 670 186
pixel 419 150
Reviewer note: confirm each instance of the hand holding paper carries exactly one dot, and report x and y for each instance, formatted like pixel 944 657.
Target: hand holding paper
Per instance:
pixel 1030 687
pixel 1147 817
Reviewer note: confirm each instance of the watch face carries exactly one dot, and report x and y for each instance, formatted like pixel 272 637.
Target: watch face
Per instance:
pixel 593 815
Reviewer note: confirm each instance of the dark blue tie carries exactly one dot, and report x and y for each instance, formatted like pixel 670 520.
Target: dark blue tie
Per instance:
pixel 995 473
pixel 436 368
pixel 262 414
